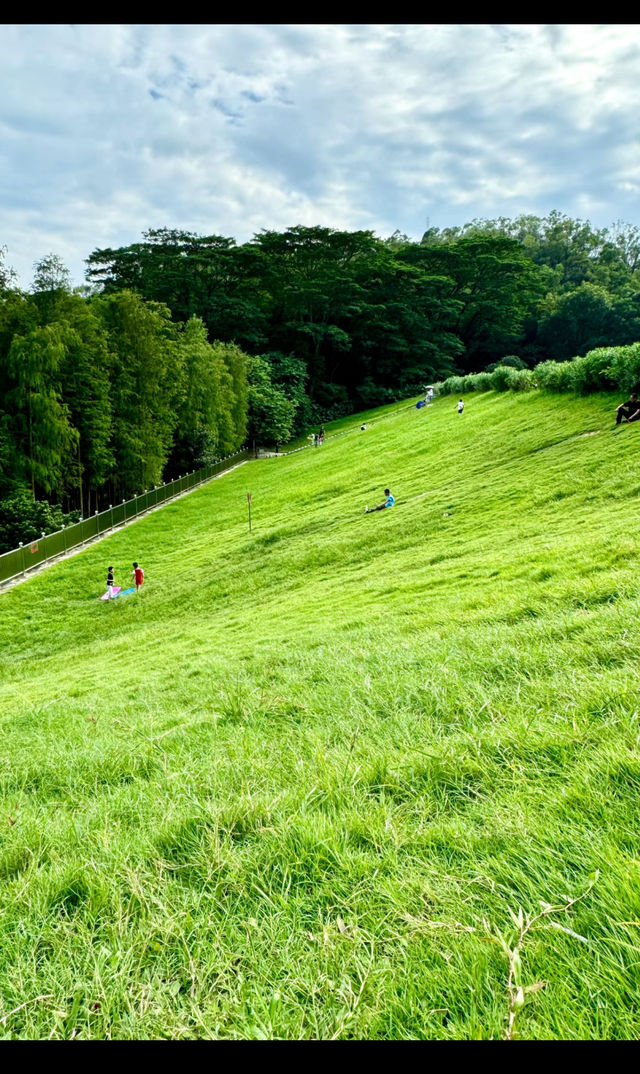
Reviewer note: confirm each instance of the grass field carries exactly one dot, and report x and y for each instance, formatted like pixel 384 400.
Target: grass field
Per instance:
pixel 344 776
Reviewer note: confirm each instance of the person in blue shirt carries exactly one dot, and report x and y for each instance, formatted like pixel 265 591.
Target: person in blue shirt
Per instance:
pixel 389 502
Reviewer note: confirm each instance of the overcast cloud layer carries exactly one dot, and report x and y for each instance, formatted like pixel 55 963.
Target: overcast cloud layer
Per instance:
pixel 106 131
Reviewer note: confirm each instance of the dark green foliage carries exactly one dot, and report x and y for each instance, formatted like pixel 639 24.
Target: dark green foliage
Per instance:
pixel 576 321
pixel 271 413
pixel 510 360
pixel 102 397
pixel 24 519
pixel 40 425
pixel 143 376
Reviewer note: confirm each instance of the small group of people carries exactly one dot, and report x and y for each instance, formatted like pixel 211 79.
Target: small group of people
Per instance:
pixel 629 411
pixel 429 393
pixel 317 438
pixel 428 399
pixel 137 574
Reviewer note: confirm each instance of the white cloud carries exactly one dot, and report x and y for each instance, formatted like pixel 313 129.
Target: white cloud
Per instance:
pixel 108 130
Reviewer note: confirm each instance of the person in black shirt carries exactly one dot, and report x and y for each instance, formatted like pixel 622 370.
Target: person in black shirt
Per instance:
pixel 110 582
pixel 629 411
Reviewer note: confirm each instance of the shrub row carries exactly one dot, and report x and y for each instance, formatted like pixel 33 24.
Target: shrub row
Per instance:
pixel 601 370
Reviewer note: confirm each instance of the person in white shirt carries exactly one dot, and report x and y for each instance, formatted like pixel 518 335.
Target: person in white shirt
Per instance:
pixel 460 406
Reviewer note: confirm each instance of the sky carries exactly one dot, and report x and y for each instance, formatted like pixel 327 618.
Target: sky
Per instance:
pixel 109 130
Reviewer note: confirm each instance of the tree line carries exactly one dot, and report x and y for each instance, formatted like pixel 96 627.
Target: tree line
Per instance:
pixel 346 319
pixel 181 346
pixel 105 396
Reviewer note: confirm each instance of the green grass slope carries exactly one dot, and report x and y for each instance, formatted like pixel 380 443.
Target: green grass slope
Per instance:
pixel 344 776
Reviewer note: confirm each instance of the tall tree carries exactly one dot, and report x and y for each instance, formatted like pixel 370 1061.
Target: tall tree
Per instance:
pixel 51 274
pixel 495 283
pixel 43 434
pixel 205 401
pixel 7 274
pixel 144 375
pixel 205 276
pixel 577 321
pixel 234 431
pixel 271 414
pixel 87 394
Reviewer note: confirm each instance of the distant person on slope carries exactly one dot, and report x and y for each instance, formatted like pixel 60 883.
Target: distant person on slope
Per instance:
pixel 460 406
pixel 110 582
pixel 389 502
pixel 138 575
pixel 629 411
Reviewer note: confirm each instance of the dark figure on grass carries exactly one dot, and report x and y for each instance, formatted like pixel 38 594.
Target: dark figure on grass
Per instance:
pixel 629 411
pixel 389 502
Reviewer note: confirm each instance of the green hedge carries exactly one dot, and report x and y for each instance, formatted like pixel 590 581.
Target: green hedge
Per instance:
pixel 601 370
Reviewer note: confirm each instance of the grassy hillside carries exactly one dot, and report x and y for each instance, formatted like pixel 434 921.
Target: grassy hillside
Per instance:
pixel 342 776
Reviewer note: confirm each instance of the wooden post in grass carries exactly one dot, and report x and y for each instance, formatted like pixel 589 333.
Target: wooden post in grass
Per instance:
pixel 249 504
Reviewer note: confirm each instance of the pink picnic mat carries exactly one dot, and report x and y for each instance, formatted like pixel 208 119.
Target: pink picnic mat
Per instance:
pixel 116 590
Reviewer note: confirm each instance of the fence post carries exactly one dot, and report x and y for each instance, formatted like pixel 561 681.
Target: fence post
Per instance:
pixel 20 545
pixel 46 558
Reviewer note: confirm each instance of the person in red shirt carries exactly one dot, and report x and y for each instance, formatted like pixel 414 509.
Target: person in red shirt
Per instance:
pixel 138 574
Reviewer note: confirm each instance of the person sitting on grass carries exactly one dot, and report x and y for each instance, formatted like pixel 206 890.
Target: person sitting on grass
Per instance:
pixel 629 411
pixel 389 502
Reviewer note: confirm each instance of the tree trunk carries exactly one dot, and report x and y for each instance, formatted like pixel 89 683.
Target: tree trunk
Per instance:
pixel 31 467
pixel 80 484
